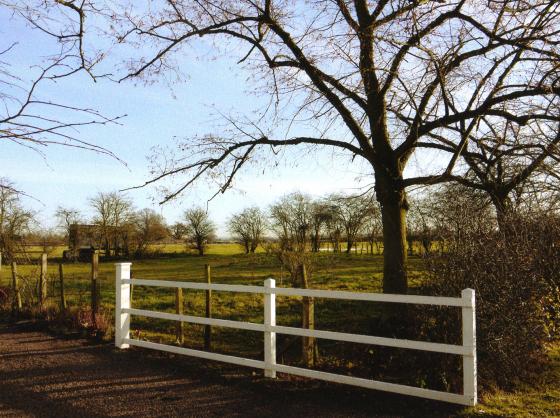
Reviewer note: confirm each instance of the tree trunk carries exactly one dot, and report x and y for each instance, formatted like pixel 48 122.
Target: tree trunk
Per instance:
pixel 349 245
pixel 504 211
pixel 315 243
pixel 393 217
pixel 426 243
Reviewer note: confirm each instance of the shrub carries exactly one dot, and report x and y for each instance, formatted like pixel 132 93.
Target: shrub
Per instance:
pixel 78 319
pixel 515 275
pixel 5 297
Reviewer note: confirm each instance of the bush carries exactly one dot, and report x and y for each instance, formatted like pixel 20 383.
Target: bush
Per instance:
pixel 5 297
pixel 515 275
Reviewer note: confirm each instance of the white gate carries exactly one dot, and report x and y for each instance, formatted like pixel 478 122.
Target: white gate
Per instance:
pixel 467 350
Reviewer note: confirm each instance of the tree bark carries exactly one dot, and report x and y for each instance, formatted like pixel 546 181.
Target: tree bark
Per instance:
pixel 349 245
pixel 315 242
pixel 392 198
pixel 504 210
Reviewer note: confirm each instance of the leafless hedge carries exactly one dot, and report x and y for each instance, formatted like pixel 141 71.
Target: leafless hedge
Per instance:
pixel 516 277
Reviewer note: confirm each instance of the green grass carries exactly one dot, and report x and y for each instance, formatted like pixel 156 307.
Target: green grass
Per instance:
pixel 355 272
pixel 538 400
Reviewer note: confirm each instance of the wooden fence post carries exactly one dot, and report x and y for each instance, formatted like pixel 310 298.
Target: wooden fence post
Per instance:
pixel 43 281
pixel 179 311
pixel 208 328
pixel 122 301
pixel 308 322
pixel 94 287
pixel 63 305
pixel 269 321
pixel 469 342
pixel 16 305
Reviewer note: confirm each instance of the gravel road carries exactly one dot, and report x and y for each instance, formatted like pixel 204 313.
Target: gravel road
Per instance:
pixel 45 376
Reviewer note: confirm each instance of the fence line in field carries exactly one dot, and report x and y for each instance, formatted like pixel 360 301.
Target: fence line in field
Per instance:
pixel 467 350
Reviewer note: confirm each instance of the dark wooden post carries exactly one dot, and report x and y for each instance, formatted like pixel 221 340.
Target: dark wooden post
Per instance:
pixel 179 311
pixel 43 281
pixel 94 287
pixel 16 305
pixel 208 328
pixel 131 284
pixel 62 294
pixel 308 322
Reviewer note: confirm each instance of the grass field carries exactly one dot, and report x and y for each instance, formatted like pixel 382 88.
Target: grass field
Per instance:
pixel 229 265
pixel 353 272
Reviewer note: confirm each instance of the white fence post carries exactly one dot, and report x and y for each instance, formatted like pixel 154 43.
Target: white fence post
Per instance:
pixel 269 321
pixel 122 295
pixel 469 341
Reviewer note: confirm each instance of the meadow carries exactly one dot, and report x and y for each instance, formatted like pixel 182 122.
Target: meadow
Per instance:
pixel 354 272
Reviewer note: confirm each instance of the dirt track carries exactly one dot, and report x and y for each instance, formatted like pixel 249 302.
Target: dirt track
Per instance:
pixel 44 376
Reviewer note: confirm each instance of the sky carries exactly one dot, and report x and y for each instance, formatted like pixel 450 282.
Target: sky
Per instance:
pixel 155 115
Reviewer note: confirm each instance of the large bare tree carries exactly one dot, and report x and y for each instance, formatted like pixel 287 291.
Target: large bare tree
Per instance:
pixel 383 80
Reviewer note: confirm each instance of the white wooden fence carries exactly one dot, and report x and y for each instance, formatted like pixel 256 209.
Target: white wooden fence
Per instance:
pixel 466 302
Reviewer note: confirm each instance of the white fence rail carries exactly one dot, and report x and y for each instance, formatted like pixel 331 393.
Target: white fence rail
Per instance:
pixel 467 350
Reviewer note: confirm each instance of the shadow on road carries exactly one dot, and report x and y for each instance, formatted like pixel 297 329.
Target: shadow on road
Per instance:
pixel 44 376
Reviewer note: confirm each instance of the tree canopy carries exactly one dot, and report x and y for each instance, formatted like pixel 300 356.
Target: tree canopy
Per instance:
pixel 382 80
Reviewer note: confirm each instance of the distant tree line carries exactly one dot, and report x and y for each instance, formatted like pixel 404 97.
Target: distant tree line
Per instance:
pixel 296 222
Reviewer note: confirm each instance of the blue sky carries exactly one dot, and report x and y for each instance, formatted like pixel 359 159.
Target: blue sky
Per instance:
pixel 156 114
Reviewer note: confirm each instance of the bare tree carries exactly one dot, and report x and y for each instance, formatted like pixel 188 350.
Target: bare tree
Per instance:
pixel 67 217
pixel 458 212
pixel 505 159
pixel 178 230
pixel 15 221
pixel 291 220
pixel 352 212
pixel 114 215
pixel 321 215
pixel 248 226
pixel 334 229
pixel 394 79
pixel 150 227
pixel 422 221
pixel 200 229
pixel 372 228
